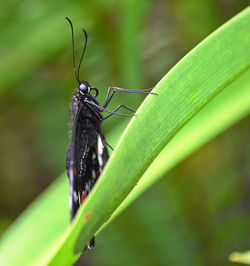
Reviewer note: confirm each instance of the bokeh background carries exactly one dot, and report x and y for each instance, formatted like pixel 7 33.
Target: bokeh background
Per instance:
pixel 200 212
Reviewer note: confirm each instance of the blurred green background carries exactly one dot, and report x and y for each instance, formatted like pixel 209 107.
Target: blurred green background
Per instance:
pixel 199 213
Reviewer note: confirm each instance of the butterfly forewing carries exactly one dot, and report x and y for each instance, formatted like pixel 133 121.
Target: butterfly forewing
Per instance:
pixel 87 154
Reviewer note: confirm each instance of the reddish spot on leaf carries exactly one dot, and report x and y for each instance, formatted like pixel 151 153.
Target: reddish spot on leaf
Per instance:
pixel 86 217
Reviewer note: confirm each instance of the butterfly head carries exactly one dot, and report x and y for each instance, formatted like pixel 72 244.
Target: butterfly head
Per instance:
pixel 84 88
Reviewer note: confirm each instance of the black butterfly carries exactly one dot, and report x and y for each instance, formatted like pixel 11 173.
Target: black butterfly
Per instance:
pixel 87 153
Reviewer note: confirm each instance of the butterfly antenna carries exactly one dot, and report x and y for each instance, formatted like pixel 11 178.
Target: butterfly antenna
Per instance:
pixel 83 51
pixel 73 49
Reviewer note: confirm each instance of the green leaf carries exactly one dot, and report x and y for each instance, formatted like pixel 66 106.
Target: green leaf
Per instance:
pixel 240 257
pixel 228 107
pixel 203 94
pixel 38 227
pixel 182 93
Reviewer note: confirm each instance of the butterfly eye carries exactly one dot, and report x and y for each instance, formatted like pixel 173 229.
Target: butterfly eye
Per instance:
pixel 83 88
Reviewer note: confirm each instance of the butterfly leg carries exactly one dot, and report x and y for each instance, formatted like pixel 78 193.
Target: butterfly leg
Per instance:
pixel 117 108
pixel 102 109
pixel 112 90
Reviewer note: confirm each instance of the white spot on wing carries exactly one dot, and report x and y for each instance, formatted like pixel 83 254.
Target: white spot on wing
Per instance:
pixel 87 187
pixel 75 197
pixel 71 188
pixel 100 152
pixel 93 174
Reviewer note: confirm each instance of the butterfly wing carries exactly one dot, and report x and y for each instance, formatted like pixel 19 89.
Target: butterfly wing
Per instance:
pixel 95 162
pixel 72 163
pixel 87 154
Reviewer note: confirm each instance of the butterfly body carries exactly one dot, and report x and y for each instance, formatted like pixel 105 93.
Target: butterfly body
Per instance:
pixel 87 153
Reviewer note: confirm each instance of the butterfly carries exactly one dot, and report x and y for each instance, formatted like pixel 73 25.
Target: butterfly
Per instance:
pixel 87 152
